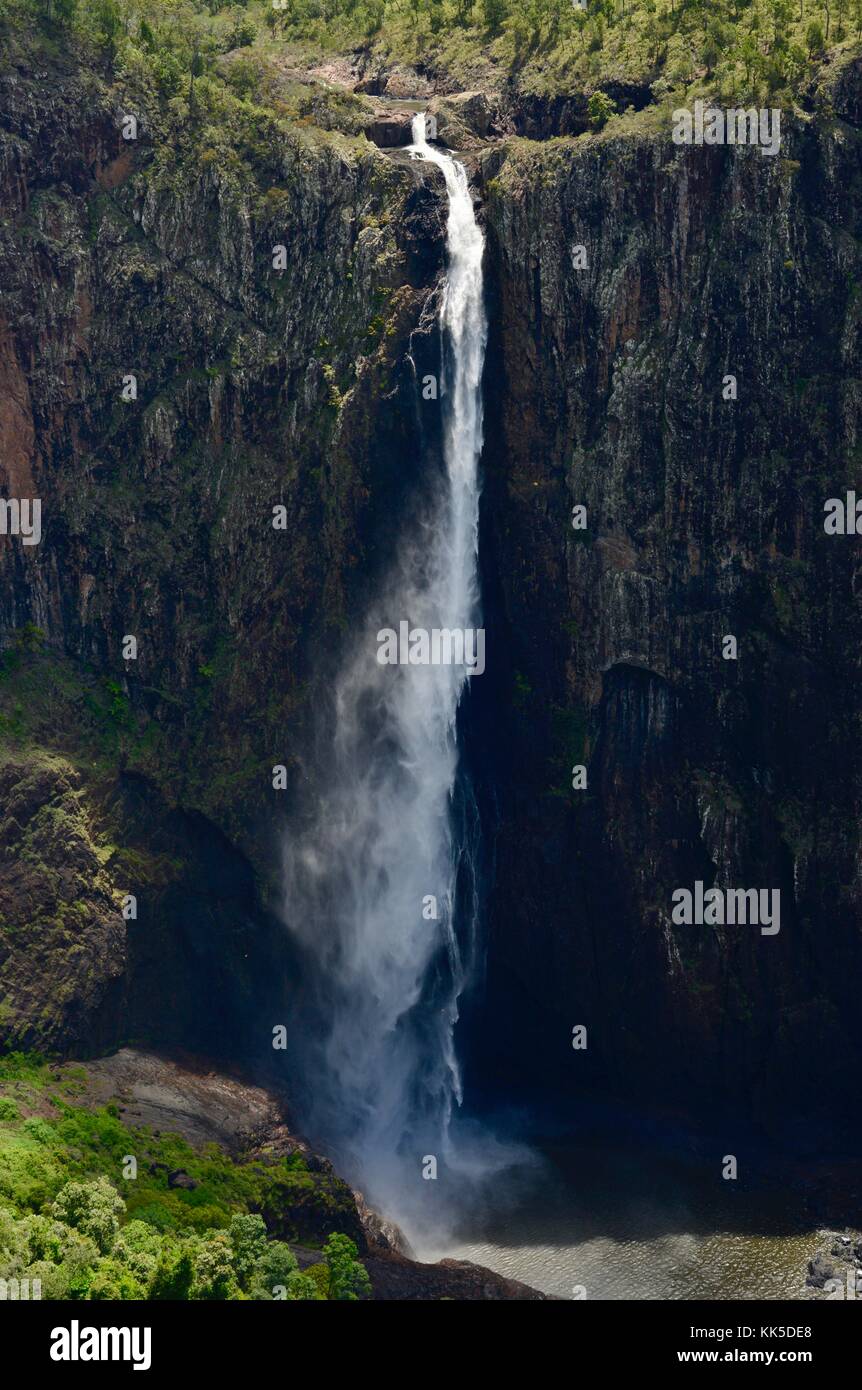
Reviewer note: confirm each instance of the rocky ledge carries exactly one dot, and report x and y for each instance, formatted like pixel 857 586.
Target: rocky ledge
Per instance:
pixel 183 1095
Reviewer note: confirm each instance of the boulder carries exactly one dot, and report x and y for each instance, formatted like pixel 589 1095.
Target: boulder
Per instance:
pixel 180 1178
pixel 463 120
pixel 820 1270
pixel 390 130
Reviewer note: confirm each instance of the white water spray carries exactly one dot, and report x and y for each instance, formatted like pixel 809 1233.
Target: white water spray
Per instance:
pixel 382 1068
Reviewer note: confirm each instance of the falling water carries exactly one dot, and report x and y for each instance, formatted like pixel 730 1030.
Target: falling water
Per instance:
pixel 388 830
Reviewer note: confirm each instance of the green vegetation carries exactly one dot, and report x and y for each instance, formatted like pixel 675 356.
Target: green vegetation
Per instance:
pixel 348 1280
pixel 600 108
pixel 570 731
pixel 743 48
pixel 206 64
pixel 72 1216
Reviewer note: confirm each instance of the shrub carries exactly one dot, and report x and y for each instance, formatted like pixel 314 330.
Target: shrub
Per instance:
pixel 600 108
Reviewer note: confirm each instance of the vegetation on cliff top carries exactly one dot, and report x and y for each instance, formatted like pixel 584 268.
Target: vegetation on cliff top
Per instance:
pixel 745 48
pixel 178 49
pixel 63 1220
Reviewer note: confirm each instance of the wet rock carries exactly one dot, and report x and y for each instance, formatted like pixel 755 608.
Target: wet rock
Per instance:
pixel 833 1271
pixel 394 1276
pixel 380 1233
pixel 238 361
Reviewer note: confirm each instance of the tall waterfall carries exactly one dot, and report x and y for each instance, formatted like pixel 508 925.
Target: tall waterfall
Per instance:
pixel 387 846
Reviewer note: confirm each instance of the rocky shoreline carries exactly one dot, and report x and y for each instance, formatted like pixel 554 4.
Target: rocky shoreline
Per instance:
pixel 835 1271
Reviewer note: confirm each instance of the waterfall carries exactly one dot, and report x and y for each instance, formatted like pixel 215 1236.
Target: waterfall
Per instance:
pixel 387 840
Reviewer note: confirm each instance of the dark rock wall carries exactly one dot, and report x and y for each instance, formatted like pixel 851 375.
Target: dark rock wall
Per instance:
pixel 256 387
pixel 705 518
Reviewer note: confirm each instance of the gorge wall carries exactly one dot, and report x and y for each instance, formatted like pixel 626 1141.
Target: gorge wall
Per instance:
pixel 256 388
pixel 259 388
pixel 705 518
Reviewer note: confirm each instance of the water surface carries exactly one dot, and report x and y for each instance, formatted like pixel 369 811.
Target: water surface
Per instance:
pixel 625 1224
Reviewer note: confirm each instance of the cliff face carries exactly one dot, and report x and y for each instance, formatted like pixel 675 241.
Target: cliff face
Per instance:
pixel 705 518
pixel 192 335
pixel 260 387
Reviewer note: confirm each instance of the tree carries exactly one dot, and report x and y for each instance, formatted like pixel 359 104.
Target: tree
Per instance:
pixel 274 1270
pixel 13 1245
pixel 44 1237
pixel 109 21
pixel 243 33
pixel 711 50
pixel 493 13
pixel 301 1289
pixel 138 1248
pixel 174 1275
pixel 214 1276
pixel 93 1208
pixel 196 69
pixel 247 1236
pixel 348 1279
pixel 79 1256
pixel 113 1282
